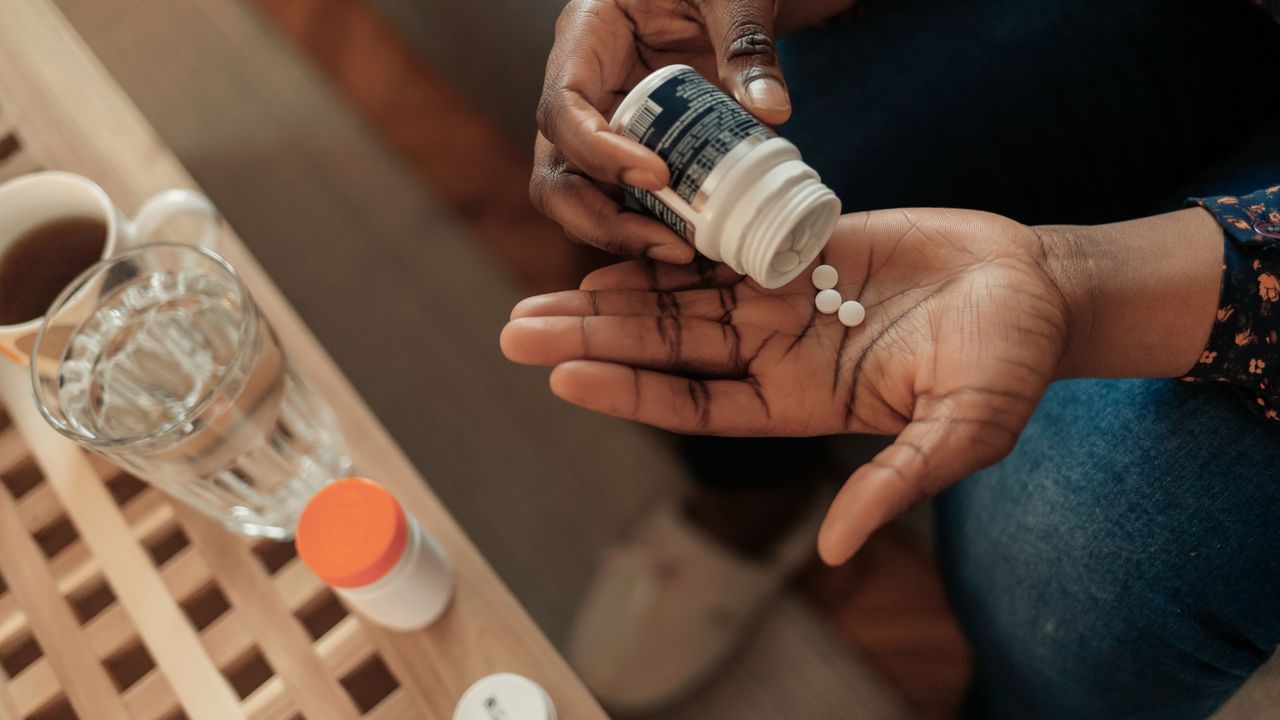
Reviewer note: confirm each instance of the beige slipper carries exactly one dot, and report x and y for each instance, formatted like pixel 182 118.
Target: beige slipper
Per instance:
pixel 666 610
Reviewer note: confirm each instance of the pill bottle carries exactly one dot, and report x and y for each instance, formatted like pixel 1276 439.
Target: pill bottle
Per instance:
pixel 505 696
pixel 738 193
pixel 357 538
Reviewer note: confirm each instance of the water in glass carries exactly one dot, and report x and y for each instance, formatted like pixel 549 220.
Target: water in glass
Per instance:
pixel 175 374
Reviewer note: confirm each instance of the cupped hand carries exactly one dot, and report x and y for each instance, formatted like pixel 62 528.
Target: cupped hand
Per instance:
pixel 602 49
pixel 965 328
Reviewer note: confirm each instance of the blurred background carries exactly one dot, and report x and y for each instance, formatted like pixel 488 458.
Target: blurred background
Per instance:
pixel 374 155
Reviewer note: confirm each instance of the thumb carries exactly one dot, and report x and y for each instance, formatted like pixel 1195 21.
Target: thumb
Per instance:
pixel 741 31
pixel 934 451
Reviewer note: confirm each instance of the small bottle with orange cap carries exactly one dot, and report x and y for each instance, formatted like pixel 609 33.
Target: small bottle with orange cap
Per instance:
pixel 356 537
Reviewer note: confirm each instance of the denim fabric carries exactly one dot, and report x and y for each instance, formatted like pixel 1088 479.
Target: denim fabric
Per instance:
pixel 1054 111
pixel 1125 560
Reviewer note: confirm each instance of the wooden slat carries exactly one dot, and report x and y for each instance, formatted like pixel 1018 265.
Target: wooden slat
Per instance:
pixel 225 639
pixel 84 681
pixel 7 709
pixel 13 623
pixel 342 649
pixel 281 637
pixel 166 632
pixel 103 467
pixel 19 164
pixel 396 706
pixel 38 508
pixel 75 568
pixel 12 449
pixel 109 632
pixel 10 140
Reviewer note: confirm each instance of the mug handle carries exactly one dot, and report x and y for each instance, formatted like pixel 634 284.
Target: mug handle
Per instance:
pixel 167 205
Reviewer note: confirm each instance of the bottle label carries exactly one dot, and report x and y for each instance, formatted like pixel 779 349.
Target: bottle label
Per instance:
pixel 692 125
pixel 664 212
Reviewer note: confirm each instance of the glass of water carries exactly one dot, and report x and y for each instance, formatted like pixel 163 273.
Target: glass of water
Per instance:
pixel 160 360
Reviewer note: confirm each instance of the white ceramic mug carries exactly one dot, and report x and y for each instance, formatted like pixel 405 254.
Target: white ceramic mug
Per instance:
pixel 33 200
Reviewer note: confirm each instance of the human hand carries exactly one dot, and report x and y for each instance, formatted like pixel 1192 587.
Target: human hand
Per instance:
pixel 969 317
pixel 603 48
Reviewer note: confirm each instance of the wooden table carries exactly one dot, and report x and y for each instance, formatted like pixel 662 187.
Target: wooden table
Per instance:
pixel 100 575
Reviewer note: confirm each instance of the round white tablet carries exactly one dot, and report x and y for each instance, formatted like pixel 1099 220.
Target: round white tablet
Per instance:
pixel 785 261
pixel 800 238
pixel 505 695
pixel 828 301
pixel 852 313
pixel 825 277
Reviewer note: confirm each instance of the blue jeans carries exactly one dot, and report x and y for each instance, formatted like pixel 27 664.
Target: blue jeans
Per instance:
pixel 1124 561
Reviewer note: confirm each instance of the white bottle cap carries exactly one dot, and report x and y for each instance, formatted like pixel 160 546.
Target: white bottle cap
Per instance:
pixel 505 696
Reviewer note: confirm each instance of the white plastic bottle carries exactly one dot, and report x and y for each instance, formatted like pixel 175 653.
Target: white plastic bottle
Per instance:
pixel 738 193
pixel 356 537
pixel 505 696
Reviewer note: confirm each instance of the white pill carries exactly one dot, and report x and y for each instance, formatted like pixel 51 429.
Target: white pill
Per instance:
pixel 785 261
pixel 852 313
pixel 799 239
pixel 825 277
pixel 828 301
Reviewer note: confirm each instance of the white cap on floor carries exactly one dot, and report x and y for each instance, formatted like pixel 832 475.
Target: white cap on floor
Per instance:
pixel 505 696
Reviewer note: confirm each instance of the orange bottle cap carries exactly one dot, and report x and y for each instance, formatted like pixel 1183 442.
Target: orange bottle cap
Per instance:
pixel 352 533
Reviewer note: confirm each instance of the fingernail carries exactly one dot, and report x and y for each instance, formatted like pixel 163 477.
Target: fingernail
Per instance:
pixel 673 254
pixel 766 93
pixel 641 179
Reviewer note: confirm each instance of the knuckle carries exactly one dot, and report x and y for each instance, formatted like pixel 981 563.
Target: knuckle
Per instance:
pixel 537 186
pixel 576 27
pixel 606 242
pixel 748 39
pixel 541 184
pixel 548 108
pixel 571 14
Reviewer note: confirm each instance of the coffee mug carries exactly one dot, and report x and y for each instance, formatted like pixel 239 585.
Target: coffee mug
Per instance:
pixel 67 215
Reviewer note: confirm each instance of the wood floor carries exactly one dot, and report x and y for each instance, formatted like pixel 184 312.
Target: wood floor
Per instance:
pixel 888 603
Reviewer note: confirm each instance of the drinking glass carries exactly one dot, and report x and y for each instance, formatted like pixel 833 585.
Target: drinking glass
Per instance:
pixel 160 360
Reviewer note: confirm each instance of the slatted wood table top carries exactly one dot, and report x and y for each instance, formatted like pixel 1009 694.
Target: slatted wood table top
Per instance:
pixel 116 603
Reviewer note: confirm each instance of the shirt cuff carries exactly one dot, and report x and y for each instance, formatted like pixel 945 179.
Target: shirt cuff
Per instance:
pixel 1243 349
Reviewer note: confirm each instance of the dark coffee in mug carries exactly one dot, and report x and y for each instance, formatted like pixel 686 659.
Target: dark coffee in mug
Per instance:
pixel 42 261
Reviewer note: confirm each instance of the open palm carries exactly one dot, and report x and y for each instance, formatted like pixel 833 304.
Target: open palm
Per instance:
pixel 964 330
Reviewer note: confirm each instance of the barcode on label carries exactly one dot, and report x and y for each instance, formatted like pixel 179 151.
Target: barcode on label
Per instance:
pixel 641 121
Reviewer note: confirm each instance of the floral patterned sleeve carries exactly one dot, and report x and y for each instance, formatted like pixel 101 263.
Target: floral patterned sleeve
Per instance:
pixel 1243 348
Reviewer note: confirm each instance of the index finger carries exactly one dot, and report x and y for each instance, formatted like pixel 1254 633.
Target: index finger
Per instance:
pixel 650 275
pixel 593 54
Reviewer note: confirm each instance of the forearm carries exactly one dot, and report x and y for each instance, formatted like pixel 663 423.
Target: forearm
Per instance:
pixel 1141 295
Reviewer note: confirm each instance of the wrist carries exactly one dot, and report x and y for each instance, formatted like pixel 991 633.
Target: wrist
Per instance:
pixel 1141 295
